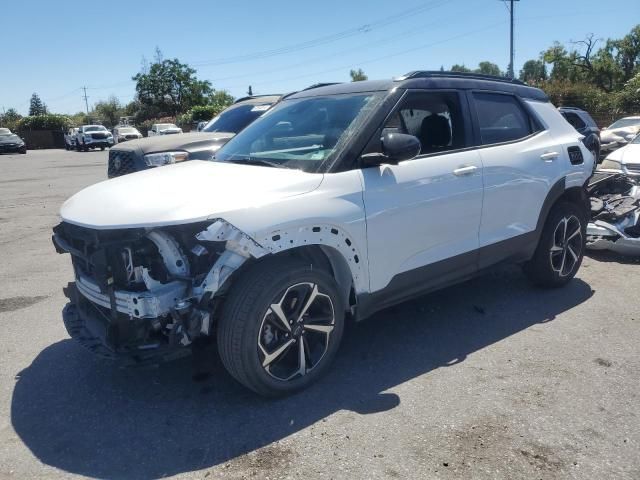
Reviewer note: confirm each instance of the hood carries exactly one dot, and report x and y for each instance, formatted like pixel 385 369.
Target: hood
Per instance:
pixel 616 134
pixel 189 142
pixel 183 193
pixel 628 154
pixel 10 139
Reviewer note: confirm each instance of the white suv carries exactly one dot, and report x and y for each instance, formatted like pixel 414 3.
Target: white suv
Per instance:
pixel 338 202
pixel 93 136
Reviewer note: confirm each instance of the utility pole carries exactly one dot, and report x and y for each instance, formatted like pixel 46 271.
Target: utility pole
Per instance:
pixel 510 72
pixel 86 104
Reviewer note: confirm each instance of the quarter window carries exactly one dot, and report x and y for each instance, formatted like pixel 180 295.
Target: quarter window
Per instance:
pixel 501 118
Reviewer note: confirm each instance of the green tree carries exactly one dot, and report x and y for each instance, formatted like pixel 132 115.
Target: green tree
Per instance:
pixel 10 119
pixel 357 75
pixel 533 71
pixel 37 106
pixel 460 68
pixel 170 87
pixel 109 111
pixel 488 68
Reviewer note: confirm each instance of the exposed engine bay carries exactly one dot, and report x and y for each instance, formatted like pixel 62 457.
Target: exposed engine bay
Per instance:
pixel 143 293
pixel 615 213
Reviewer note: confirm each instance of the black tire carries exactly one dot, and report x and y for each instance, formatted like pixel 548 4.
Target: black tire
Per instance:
pixel 78 147
pixel 248 321
pixel 102 149
pixel 557 259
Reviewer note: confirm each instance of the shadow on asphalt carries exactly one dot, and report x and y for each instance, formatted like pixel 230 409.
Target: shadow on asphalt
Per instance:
pixel 85 417
pixel 608 256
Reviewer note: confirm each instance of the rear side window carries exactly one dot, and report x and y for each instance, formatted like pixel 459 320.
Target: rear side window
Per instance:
pixel 501 118
pixel 575 121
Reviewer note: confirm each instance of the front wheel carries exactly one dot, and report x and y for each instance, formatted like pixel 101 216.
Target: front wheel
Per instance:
pixel 281 326
pixel 561 247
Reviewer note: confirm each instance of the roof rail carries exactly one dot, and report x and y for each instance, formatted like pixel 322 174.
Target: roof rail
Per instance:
pixel 318 85
pixel 250 97
pixel 562 107
pixel 468 75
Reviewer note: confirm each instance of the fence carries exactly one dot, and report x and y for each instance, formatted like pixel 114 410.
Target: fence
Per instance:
pixel 38 139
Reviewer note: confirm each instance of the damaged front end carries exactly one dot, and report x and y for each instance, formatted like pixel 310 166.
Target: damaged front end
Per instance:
pixel 142 295
pixel 615 213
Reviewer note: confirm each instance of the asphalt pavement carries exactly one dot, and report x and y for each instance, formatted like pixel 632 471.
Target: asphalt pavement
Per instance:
pixel 489 379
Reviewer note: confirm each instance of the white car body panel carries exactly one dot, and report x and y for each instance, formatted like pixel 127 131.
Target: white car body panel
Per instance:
pixel 420 212
pixel 628 157
pixel 184 193
pixel 519 175
pixel 264 203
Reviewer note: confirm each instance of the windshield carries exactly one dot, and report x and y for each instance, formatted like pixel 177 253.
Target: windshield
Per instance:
pixel 234 119
pixel 5 131
pixel 96 128
pixel 305 133
pixel 625 122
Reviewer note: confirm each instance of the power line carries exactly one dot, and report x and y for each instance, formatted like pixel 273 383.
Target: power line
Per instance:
pixel 326 39
pixel 391 55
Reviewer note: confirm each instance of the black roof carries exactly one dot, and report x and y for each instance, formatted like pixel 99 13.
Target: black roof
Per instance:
pixel 428 80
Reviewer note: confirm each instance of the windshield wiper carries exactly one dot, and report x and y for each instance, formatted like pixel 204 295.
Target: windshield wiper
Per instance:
pixel 257 161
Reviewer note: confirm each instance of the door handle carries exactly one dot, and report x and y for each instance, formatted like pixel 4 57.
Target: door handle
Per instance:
pixel 549 156
pixel 465 170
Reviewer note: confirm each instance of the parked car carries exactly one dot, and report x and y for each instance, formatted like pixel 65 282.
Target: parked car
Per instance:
pixel 70 138
pixel 585 125
pixel 615 209
pixel 341 201
pixel 625 160
pixel 93 136
pixel 159 151
pixel 201 126
pixel 619 133
pixel 122 133
pixel 164 129
pixel 11 143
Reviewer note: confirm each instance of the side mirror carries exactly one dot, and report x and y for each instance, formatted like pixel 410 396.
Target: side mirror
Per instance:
pixel 396 147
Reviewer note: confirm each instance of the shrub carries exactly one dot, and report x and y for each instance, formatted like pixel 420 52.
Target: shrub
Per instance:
pixel 44 122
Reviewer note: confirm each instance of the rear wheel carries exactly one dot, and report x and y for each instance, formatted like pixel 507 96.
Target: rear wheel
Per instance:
pixel 561 247
pixel 102 149
pixel 280 326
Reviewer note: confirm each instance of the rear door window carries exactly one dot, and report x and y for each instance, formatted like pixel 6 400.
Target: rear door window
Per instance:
pixel 501 118
pixel 575 121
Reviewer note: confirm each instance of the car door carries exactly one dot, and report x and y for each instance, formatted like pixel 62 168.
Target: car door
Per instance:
pixel 521 162
pixel 423 214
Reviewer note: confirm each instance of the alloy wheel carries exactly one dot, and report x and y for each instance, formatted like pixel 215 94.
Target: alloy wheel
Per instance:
pixel 567 246
pixel 295 331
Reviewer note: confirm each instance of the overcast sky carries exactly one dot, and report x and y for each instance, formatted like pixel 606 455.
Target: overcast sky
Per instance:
pixel 55 48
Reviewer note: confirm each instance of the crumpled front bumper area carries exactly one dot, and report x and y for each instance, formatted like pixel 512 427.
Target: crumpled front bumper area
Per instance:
pixel 128 341
pixel 145 295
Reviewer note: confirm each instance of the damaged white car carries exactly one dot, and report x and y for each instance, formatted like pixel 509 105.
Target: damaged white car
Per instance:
pixel 615 213
pixel 338 202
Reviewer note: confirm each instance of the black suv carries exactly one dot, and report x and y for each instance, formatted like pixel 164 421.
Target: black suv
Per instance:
pixel 162 150
pixel 585 125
